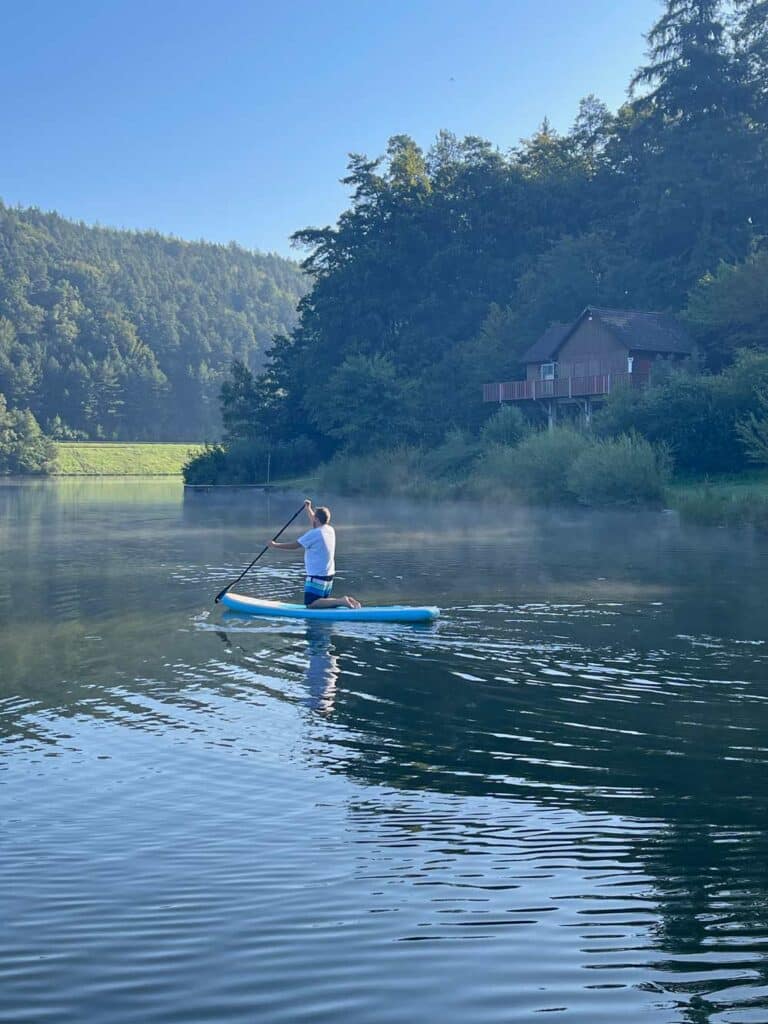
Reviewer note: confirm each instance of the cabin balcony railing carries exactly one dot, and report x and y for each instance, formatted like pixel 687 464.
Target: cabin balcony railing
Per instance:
pixel 561 387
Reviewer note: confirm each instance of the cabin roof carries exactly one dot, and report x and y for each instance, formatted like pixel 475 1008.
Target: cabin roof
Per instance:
pixel 550 341
pixel 638 331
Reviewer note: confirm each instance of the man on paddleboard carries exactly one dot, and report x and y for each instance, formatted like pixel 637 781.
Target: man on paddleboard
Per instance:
pixel 319 544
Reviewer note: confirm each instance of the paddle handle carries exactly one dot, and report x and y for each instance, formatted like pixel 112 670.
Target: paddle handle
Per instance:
pixel 229 586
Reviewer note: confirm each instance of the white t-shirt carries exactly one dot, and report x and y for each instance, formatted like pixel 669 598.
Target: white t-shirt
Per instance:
pixel 319 546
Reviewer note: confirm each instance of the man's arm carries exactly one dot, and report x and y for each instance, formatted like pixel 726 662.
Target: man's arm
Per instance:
pixel 293 545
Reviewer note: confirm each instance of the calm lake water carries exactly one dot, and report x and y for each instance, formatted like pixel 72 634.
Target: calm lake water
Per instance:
pixel 552 801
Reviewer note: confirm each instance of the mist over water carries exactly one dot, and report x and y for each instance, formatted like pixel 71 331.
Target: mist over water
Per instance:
pixel 552 800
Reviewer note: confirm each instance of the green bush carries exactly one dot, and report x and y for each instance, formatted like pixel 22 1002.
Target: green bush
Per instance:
pixel 247 462
pixel 508 426
pixel 624 470
pixel 753 430
pixel 539 466
pixel 206 467
pixel 696 415
pixel 563 466
pixel 491 474
pixel 453 459
pixel 24 448
pixel 395 471
pixel 404 470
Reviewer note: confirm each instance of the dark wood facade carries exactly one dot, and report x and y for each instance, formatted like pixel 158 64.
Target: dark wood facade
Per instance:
pixel 584 361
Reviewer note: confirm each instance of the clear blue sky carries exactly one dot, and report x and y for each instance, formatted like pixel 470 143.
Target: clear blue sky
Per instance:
pixel 232 119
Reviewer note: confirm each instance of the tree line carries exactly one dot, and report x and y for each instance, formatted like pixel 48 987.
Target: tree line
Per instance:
pixel 447 264
pixel 108 334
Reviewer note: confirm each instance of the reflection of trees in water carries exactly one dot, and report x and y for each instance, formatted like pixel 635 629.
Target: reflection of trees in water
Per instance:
pixel 409 727
pixel 687 760
pixel 413 724
pixel 710 886
pixel 66 669
pixel 668 760
pixel 72 673
pixel 680 906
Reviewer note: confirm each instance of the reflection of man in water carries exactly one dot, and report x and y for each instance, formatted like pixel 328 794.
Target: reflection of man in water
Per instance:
pixel 322 670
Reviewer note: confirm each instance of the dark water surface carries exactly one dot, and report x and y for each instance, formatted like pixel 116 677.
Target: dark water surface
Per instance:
pixel 553 801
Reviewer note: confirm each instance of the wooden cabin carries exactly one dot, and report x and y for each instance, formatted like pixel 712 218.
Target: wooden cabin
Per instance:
pixel 580 363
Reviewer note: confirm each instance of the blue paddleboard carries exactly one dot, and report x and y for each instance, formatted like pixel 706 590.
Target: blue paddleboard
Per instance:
pixel 371 613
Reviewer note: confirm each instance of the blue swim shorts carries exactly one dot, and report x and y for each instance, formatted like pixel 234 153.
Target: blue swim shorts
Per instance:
pixel 316 587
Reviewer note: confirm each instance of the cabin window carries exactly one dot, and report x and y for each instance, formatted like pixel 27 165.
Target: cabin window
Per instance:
pixel 548 371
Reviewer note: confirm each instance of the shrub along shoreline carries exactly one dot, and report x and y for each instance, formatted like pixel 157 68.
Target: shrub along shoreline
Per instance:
pixel 511 461
pixel 597 479
pixel 626 472
pixel 563 467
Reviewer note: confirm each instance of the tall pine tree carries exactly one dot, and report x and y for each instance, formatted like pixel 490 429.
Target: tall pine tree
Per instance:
pixel 691 160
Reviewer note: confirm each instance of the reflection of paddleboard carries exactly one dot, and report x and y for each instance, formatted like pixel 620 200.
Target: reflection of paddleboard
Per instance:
pixel 385 613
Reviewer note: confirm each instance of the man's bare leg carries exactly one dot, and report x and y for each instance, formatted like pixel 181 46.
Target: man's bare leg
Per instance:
pixel 334 602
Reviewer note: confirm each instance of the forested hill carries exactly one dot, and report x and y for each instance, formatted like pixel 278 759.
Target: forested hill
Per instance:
pixel 449 263
pixel 128 335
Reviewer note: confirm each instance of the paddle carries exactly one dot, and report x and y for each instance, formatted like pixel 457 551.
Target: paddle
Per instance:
pixel 229 586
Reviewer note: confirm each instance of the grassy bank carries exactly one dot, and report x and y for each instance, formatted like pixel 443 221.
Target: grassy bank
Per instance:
pixel 739 500
pixel 115 458
pixel 754 484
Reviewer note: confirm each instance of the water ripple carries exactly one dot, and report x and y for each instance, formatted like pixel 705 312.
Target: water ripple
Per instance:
pixel 555 804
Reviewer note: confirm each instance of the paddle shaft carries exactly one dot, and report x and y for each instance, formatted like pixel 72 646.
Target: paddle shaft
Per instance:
pixel 229 586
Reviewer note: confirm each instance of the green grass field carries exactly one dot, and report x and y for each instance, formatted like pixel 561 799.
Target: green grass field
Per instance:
pixel 115 458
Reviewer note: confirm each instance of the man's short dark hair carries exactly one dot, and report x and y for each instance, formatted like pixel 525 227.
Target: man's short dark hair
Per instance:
pixel 323 514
